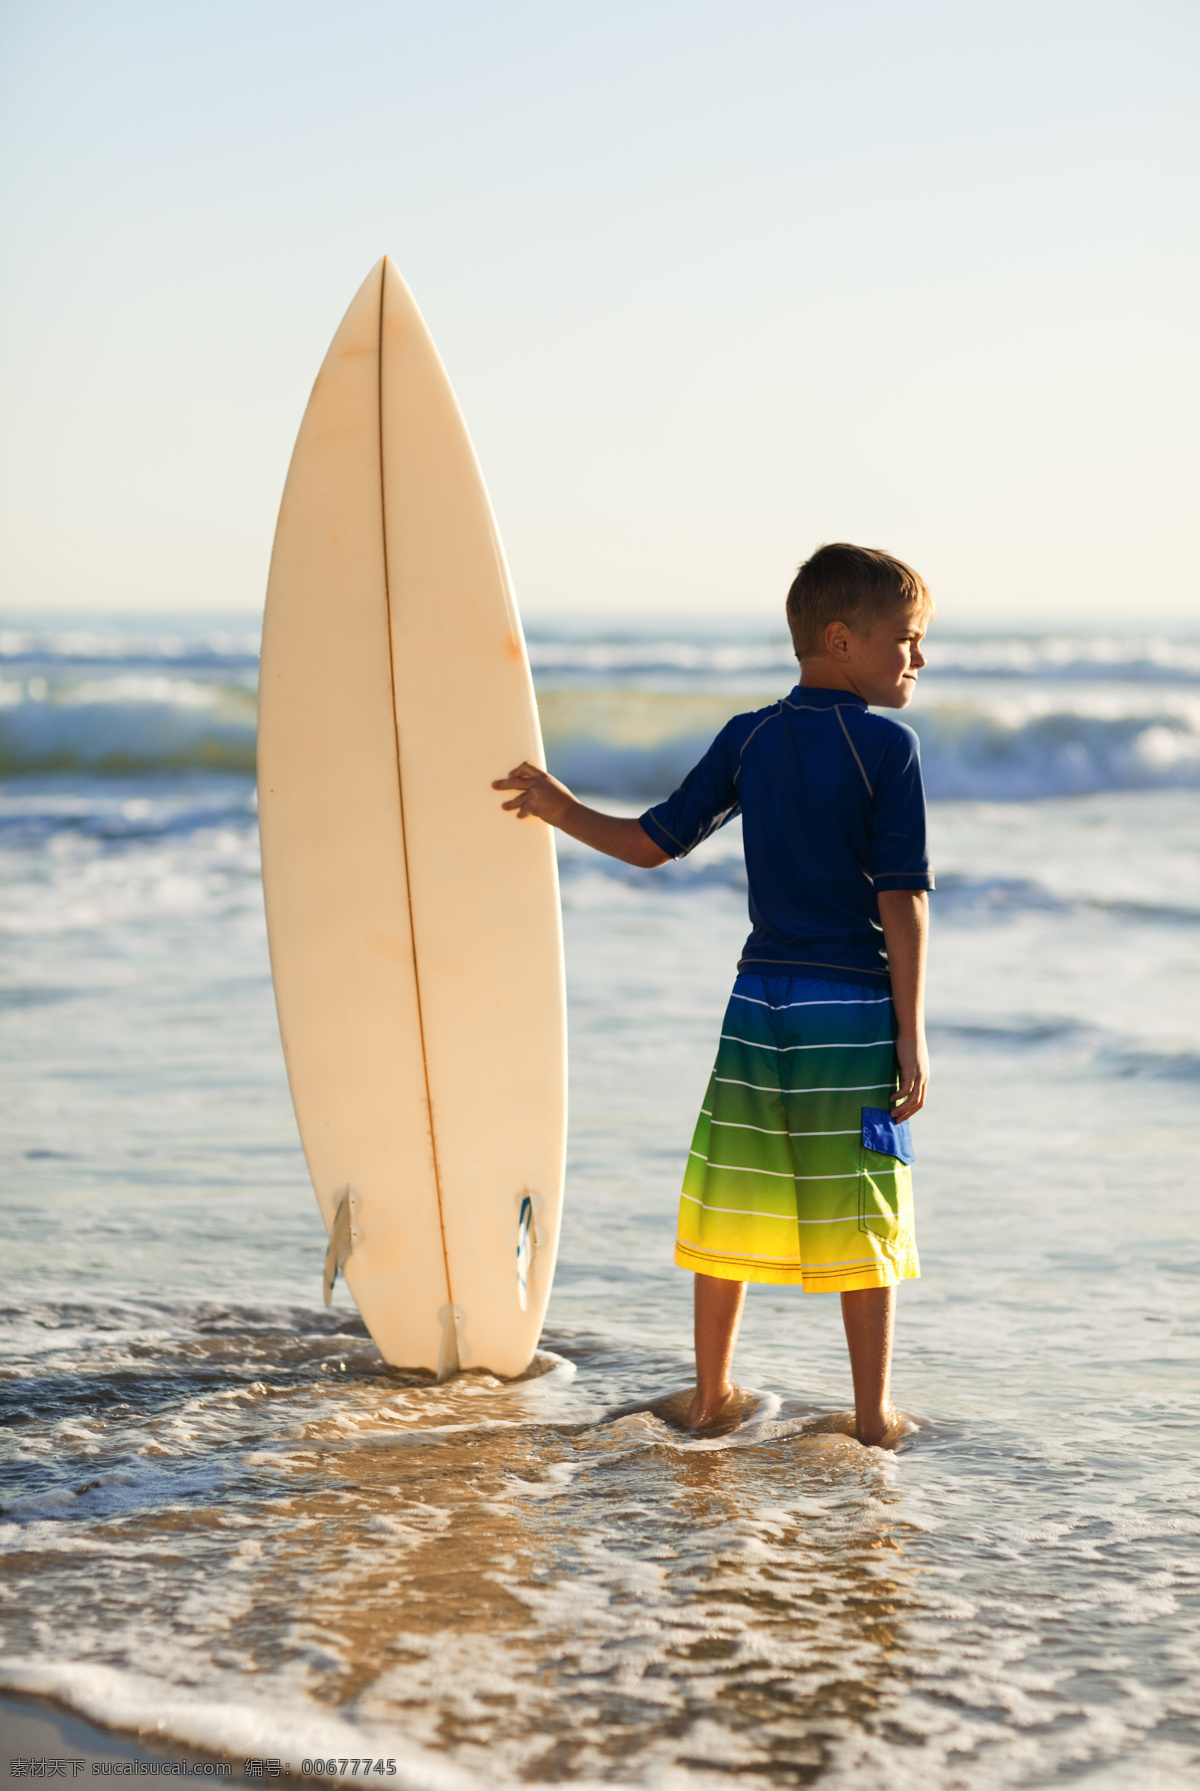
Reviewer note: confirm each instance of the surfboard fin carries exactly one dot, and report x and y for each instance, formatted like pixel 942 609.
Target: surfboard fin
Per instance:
pixel 342 1238
pixel 527 1243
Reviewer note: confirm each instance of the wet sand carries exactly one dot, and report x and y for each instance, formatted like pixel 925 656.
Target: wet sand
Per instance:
pixel 34 1729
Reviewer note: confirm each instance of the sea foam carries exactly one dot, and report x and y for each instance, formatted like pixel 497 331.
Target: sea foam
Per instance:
pixel 239 1727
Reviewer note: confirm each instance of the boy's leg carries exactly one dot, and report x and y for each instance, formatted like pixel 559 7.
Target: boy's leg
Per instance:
pixel 869 1315
pixel 718 1314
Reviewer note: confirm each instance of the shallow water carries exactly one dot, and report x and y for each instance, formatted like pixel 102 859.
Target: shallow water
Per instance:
pixel 222 1515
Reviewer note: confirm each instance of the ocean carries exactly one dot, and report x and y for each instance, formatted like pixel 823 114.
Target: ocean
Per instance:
pixel 225 1523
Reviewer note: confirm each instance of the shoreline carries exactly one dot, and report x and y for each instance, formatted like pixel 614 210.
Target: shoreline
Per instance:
pixel 38 1729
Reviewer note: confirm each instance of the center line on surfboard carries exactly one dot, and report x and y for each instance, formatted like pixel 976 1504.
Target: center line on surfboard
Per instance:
pixel 451 1318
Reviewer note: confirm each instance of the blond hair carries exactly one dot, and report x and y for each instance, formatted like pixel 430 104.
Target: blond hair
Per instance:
pixel 855 585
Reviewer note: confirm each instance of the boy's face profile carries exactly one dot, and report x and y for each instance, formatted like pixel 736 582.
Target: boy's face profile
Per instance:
pixel 879 663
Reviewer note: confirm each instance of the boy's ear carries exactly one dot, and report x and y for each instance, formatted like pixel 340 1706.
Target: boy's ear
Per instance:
pixel 837 641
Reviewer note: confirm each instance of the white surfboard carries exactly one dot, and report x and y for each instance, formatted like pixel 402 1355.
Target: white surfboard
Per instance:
pixel 414 927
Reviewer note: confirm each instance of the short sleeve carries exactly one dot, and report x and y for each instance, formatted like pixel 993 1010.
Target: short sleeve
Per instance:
pixel 899 846
pixel 704 801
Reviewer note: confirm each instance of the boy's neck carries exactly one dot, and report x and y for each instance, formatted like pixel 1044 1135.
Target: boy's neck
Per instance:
pixel 825 674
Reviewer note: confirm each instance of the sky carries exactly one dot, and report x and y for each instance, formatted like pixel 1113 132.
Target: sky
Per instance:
pixel 713 283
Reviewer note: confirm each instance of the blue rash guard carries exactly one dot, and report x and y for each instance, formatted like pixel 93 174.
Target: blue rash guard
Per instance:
pixel 833 810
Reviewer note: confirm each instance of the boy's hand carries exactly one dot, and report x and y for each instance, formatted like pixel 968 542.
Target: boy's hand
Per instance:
pixel 912 1063
pixel 540 794
pixel 904 914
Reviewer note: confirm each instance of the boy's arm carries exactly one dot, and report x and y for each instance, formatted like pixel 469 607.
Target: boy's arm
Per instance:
pixel 543 796
pixel 905 917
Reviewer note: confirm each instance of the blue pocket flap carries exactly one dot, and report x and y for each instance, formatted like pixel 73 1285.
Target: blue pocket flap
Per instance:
pixel 881 1133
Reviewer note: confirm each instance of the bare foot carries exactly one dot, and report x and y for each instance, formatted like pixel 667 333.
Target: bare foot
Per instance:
pixel 681 1411
pixel 885 1429
pixel 714 1416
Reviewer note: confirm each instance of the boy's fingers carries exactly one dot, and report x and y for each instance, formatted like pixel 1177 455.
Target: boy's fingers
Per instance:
pixel 518 777
pixel 907 1101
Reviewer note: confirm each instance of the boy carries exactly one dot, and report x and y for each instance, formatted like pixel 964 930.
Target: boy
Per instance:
pixel 798 1171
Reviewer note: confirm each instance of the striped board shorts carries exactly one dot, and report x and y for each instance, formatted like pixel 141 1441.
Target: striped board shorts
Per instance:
pixel 781 1184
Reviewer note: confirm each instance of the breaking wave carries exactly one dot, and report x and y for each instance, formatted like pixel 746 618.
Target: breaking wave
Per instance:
pixel 998 719
pixel 639 745
pixel 136 723
pixel 641 658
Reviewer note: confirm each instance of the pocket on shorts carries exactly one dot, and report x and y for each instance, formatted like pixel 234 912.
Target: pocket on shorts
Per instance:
pixel 883 1137
pixel 884 1183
